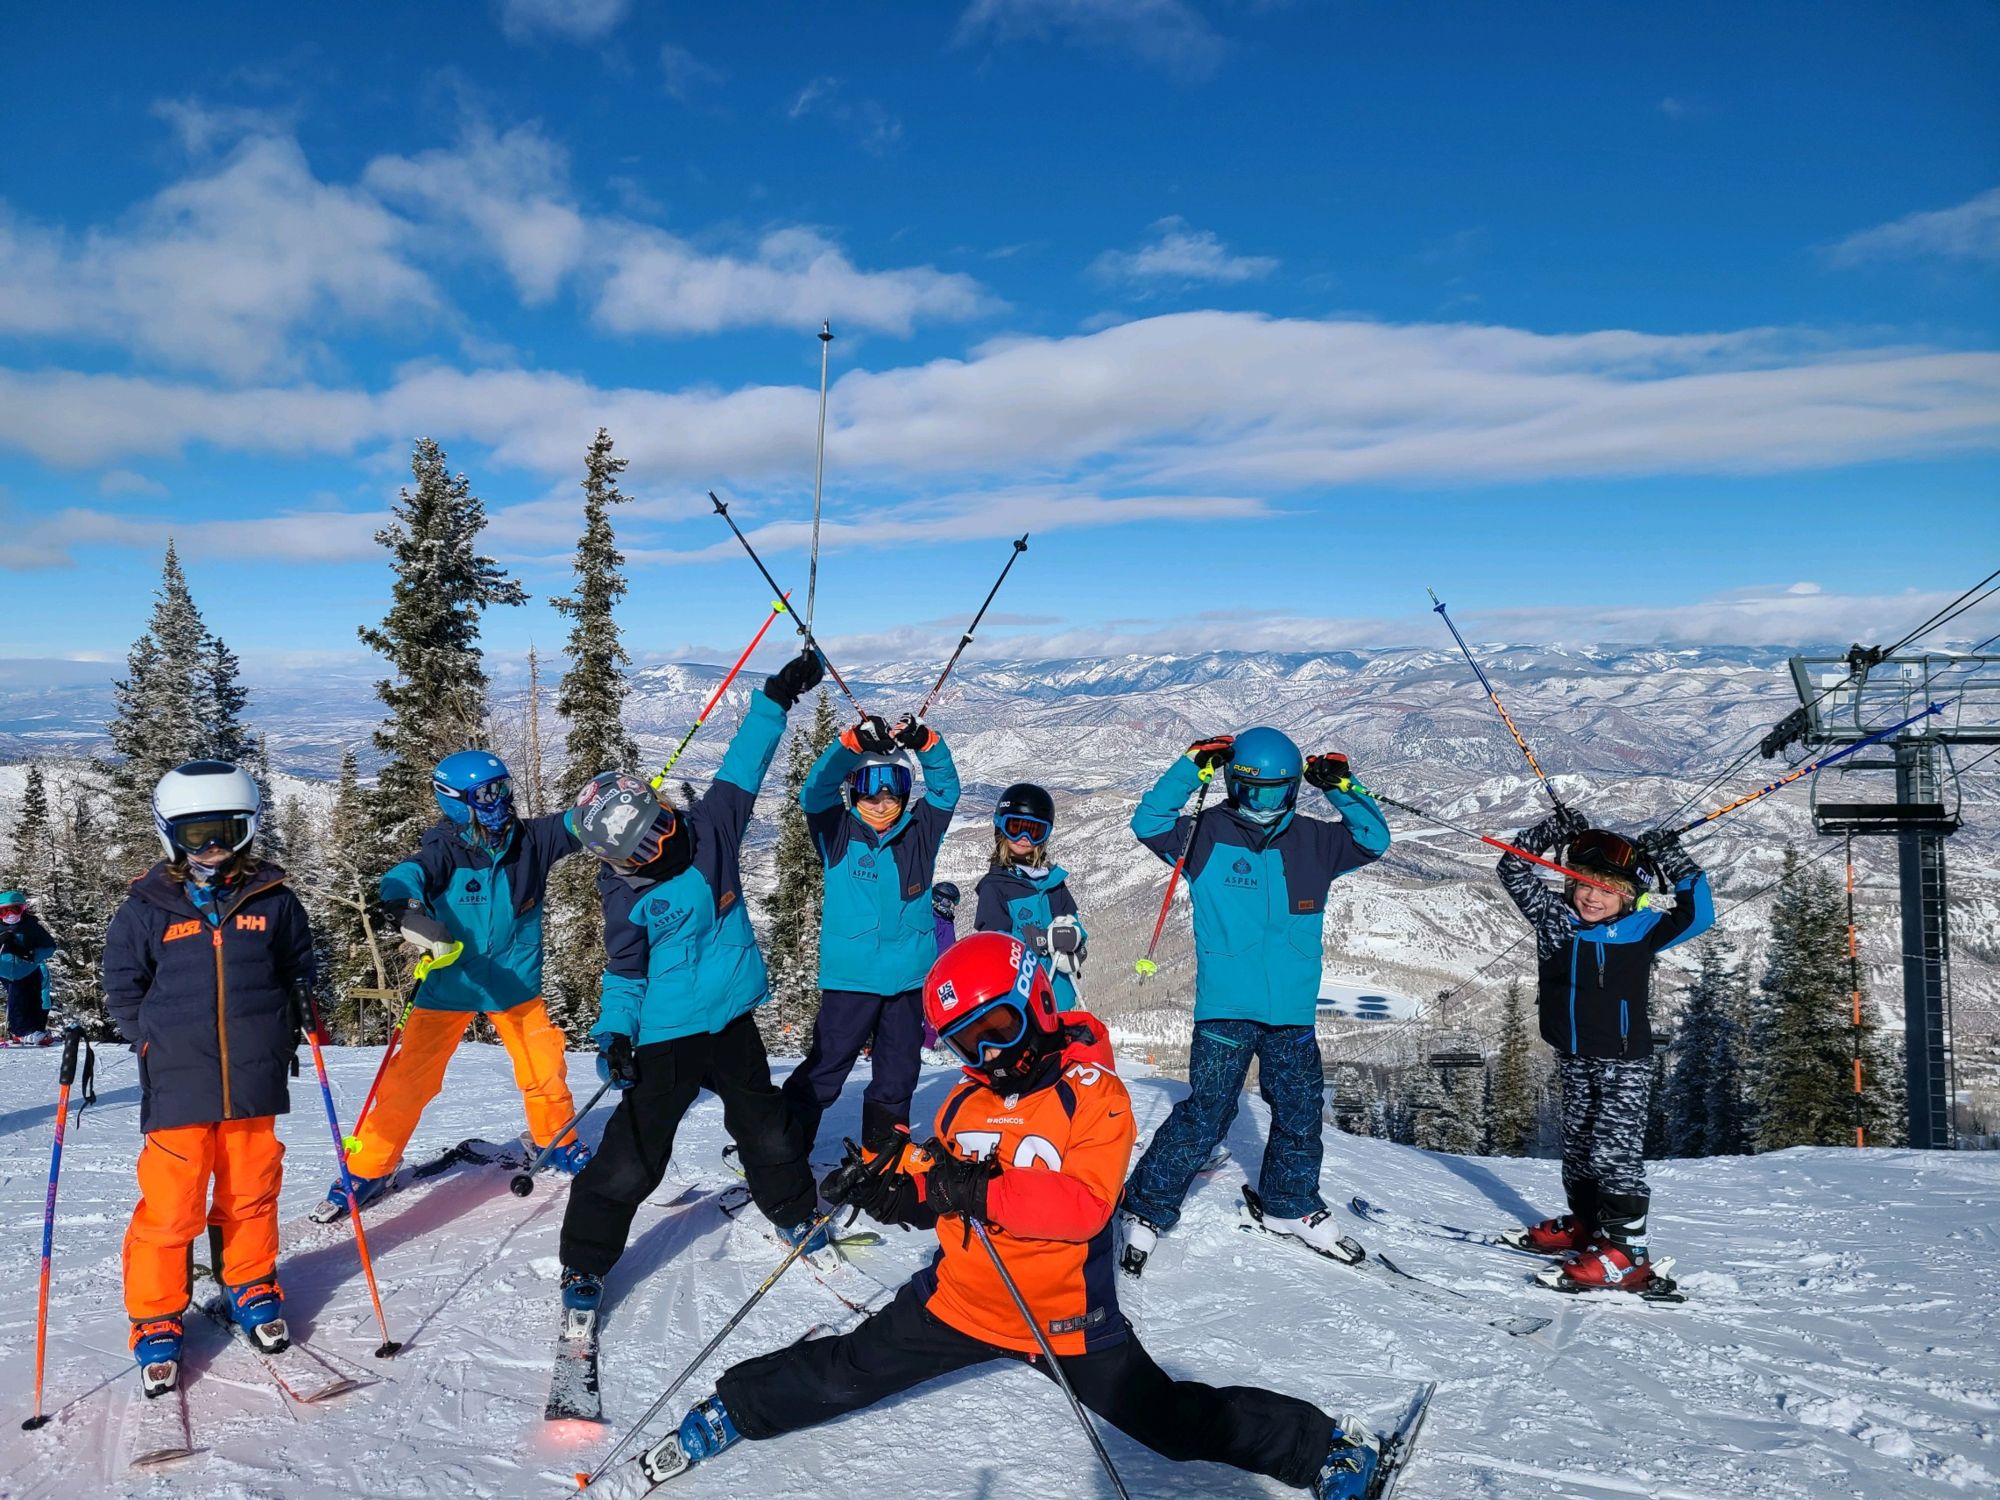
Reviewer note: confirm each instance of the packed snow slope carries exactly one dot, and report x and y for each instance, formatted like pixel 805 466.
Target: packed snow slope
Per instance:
pixel 1842 1338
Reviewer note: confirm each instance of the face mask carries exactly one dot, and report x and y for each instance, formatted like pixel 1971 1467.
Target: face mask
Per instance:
pixel 12 918
pixel 1263 817
pixel 879 821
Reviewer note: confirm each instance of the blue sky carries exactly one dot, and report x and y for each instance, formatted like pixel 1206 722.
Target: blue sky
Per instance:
pixel 1260 316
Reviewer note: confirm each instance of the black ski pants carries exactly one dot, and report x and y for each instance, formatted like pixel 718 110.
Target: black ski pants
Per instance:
pixel 905 1344
pixel 848 1021
pixel 639 1140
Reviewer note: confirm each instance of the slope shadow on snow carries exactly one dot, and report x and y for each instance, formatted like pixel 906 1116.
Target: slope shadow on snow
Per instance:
pixel 43 1116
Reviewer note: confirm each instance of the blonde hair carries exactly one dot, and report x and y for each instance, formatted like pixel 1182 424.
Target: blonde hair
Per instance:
pixel 241 863
pixel 1004 856
pixel 1627 890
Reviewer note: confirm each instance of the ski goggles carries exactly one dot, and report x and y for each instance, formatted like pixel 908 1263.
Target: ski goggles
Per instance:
pixel 1265 796
pixel 987 1032
pixel 1601 849
pixel 201 832
pixel 652 843
pixel 1020 826
pixel 12 914
pixel 873 781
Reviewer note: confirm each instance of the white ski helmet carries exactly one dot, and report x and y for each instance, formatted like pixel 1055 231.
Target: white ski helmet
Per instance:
pixel 878 772
pixel 204 803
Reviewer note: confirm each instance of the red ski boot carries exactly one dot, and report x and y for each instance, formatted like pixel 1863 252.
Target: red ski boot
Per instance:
pixel 1603 1265
pixel 1553 1236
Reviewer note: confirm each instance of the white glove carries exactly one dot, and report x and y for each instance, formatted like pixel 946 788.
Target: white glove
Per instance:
pixel 1067 945
pixel 427 934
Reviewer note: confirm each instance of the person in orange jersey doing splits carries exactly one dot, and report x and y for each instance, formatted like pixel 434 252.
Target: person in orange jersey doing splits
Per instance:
pixel 1034 1145
pixel 199 969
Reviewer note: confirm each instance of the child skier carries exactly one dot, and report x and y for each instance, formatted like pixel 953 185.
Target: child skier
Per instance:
pixel 25 950
pixel 877 933
pixel 475 884
pixel 1258 874
pixel 1595 953
pixel 1024 895
pixel 199 968
pixel 682 976
pixel 1033 1146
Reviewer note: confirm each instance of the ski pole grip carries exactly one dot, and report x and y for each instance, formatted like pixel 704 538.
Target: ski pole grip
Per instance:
pixel 72 1039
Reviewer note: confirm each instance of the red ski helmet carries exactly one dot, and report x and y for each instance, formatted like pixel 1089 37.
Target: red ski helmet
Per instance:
pixel 990 1001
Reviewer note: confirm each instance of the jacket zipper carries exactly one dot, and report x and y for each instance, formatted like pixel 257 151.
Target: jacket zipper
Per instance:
pixel 221 1021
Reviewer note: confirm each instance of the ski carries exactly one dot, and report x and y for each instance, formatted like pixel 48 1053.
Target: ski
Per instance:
pixel 323 1384
pixel 1445 1298
pixel 474 1152
pixel 852 1287
pixel 158 1430
pixel 573 1389
pixel 1400 1444
pixel 1659 1288
pixel 1376 1214
pixel 1250 1216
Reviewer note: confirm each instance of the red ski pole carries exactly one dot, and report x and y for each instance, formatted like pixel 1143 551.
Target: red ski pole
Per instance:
pixel 72 1038
pixel 1146 966
pixel 1348 784
pixel 424 967
pixel 777 608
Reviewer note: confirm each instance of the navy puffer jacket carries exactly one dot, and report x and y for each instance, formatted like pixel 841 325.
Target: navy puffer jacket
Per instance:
pixel 207 996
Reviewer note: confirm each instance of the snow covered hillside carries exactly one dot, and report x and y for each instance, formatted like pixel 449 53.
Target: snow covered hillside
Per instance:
pixel 1839 1340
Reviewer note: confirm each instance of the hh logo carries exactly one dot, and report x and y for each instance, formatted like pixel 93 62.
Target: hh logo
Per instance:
pixel 248 923
pixel 728 900
pixel 180 930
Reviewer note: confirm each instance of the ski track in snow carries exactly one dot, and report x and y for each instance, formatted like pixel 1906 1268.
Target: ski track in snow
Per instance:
pixel 1840 1340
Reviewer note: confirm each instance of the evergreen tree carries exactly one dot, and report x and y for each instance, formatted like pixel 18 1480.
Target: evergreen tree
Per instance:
pixel 592 698
pixel 436 691
pixel 1704 1089
pixel 31 864
pixel 1513 1113
pixel 83 893
pixel 1447 1110
pixel 1802 1029
pixel 791 947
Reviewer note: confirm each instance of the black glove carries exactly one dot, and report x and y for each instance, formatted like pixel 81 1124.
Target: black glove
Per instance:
pixel 1664 849
pixel 955 1185
pixel 1328 771
pixel 617 1064
pixel 871 736
pixel 878 1188
pixel 913 733
pixel 1208 754
pixel 944 900
pixel 12 942
pixel 302 1011
pixel 1568 822
pixel 795 679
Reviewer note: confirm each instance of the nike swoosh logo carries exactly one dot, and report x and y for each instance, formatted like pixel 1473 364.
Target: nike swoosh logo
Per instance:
pixel 1115 1113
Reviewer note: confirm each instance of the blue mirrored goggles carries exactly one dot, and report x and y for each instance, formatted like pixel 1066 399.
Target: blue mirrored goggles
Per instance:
pixel 990 1030
pixel 492 802
pixel 872 781
pixel 1265 796
pixel 1035 831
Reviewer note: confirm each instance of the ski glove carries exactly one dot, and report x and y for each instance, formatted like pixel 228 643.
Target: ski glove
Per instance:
pixel 1328 772
pixel 912 733
pixel 955 1185
pixel 870 737
pixel 1664 848
pixel 944 901
pixel 795 679
pixel 426 933
pixel 617 1064
pixel 877 1188
pixel 1569 823
pixel 1208 754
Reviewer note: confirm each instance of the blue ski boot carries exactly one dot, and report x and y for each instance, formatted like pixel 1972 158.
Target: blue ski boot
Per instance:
pixel 334 1205
pixel 258 1308
pixel 1352 1459
pixel 704 1432
pixel 819 1239
pixel 581 1291
pixel 570 1158
pixel 156 1345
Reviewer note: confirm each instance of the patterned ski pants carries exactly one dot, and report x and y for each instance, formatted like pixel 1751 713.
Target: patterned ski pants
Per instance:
pixel 1604 1102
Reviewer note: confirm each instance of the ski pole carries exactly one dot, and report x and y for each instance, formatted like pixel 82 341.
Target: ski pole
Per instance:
pixel 72 1038
pixel 799 625
pixel 423 969
pixel 1812 765
pixel 1055 1365
pixel 819 475
pixel 303 993
pixel 584 1481
pixel 524 1182
pixel 777 608
pixel 1146 966
pixel 966 639
pixel 1473 662
pixel 1348 784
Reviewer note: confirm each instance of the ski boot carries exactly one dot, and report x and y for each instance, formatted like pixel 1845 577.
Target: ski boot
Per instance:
pixel 1605 1265
pixel 258 1308
pixel 815 1239
pixel 570 1158
pixel 366 1191
pixel 1352 1459
pixel 1316 1230
pixel 156 1345
pixel 704 1432
pixel 1139 1237
pixel 1552 1236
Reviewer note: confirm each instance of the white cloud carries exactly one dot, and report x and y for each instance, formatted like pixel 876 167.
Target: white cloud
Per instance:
pixel 1969 231
pixel 229 270
pixel 310 537
pixel 566 20
pixel 124 482
pixel 866 119
pixel 1180 254
pixel 683 73
pixel 1167 34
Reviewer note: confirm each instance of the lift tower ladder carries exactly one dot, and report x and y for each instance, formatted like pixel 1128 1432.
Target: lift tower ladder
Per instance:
pixel 1846 699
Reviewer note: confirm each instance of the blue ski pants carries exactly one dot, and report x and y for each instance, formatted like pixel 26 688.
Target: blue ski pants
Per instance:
pixel 1291 1079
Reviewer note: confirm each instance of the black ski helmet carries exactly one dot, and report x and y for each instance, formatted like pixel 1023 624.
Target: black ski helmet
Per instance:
pixel 1025 800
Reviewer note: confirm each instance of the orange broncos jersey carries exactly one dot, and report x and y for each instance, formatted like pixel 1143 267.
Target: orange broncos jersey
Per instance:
pixel 1064 1151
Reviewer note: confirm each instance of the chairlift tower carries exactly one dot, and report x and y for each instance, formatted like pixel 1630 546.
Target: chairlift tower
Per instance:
pixel 1847 699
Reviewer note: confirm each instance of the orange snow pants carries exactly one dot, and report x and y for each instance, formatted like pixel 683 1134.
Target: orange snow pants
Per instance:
pixel 416 1074
pixel 245 1161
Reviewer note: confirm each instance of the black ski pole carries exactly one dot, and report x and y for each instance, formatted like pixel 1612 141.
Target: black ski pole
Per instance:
pixel 524 1182
pixel 72 1039
pixel 805 634
pixel 710 1347
pixel 1471 661
pixel 966 639
pixel 1055 1365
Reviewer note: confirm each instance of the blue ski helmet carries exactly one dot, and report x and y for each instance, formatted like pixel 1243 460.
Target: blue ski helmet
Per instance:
pixel 1263 774
pixel 474 783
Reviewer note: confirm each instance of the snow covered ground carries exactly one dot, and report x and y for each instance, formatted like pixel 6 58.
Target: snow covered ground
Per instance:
pixel 1842 1338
